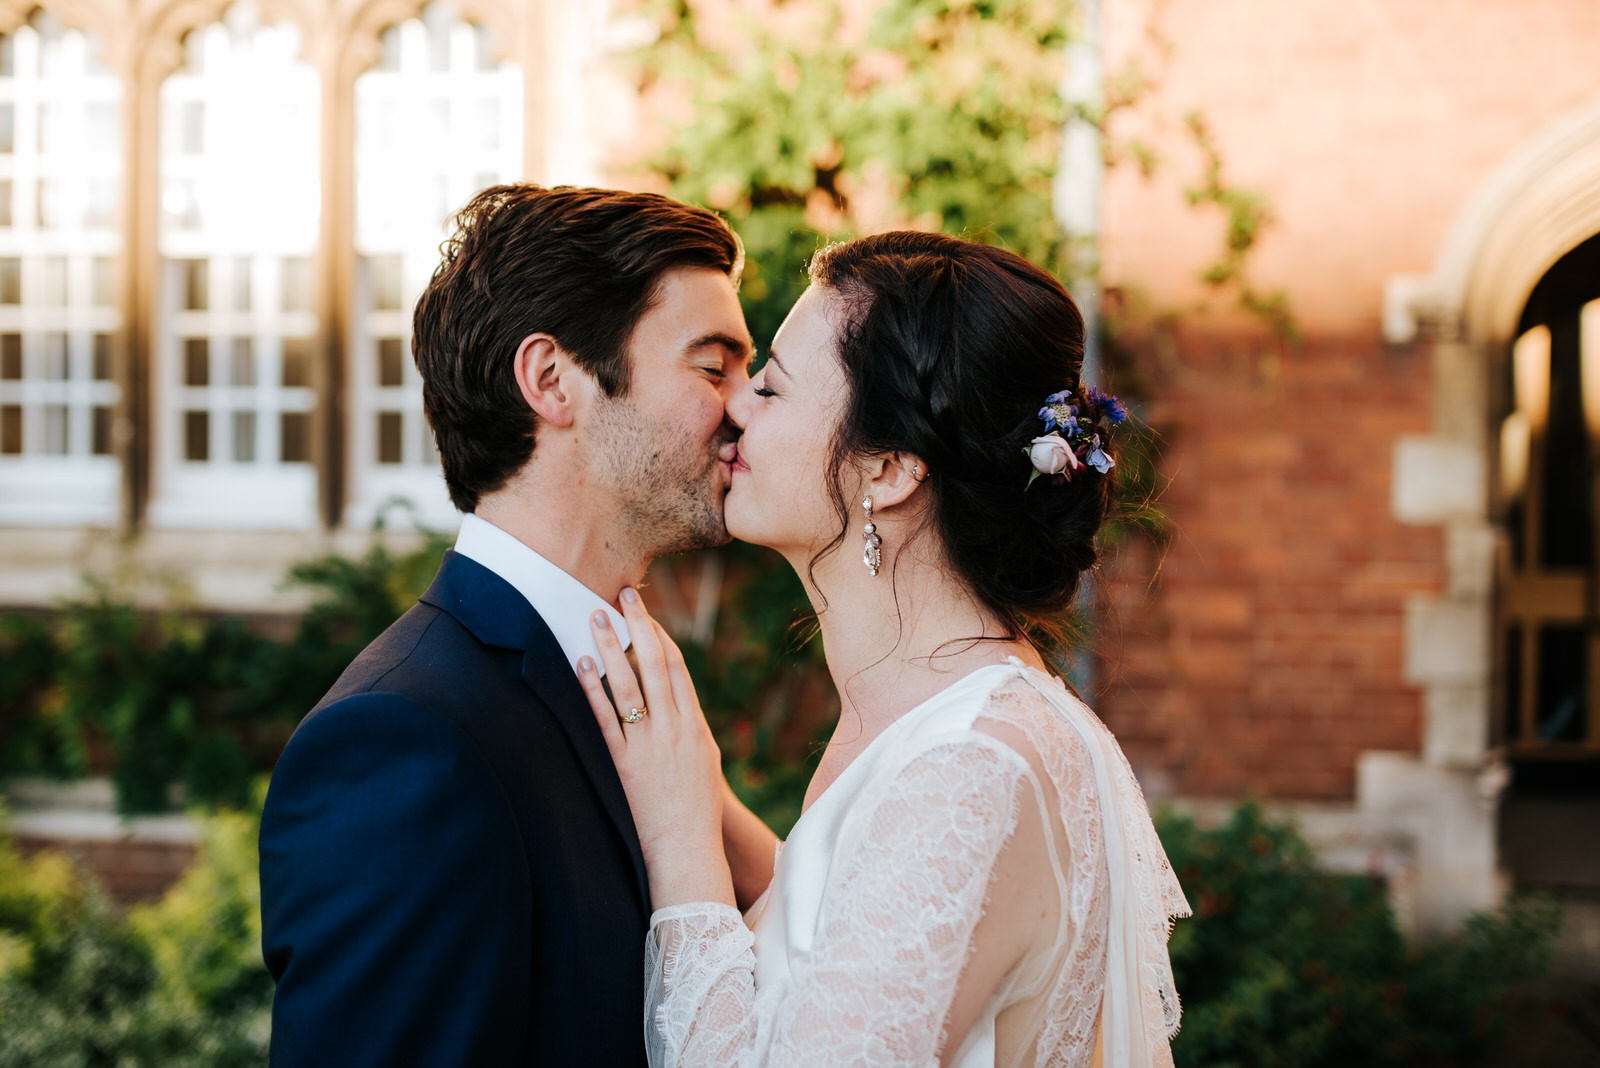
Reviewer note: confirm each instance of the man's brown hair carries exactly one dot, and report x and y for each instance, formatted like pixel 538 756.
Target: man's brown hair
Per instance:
pixel 582 265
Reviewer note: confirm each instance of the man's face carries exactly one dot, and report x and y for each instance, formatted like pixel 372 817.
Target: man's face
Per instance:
pixel 660 449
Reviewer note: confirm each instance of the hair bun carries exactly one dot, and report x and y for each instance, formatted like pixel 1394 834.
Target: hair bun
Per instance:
pixel 948 348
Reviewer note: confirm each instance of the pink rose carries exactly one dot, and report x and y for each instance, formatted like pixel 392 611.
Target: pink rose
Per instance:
pixel 1051 455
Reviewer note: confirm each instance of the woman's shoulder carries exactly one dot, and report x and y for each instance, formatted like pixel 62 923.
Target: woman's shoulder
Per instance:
pixel 1008 707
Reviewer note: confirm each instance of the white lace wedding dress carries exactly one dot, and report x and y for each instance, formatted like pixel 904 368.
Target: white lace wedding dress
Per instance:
pixel 1002 791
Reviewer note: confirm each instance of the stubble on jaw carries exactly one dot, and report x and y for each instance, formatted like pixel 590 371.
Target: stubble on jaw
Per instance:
pixel 670 501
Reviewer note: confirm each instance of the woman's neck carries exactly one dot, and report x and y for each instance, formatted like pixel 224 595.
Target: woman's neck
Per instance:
pixel 895 639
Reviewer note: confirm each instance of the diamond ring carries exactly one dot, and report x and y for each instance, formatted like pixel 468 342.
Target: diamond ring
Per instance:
pixel 634 715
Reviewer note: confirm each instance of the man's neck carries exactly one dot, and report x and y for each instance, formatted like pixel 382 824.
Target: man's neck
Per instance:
pixel 558 523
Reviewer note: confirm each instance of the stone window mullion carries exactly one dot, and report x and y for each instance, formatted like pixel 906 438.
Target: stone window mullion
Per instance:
pixel 437 117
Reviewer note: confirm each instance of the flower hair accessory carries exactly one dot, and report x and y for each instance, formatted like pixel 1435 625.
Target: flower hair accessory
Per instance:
pixel 1073 426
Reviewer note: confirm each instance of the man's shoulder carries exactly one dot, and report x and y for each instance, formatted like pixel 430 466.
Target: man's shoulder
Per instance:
pixel 420 685
pixel 424 636
pixel 428 660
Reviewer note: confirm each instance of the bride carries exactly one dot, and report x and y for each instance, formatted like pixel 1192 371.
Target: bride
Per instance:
pixel 974 879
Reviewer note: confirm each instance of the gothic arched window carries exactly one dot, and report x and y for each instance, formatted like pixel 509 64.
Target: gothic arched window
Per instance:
pixel 238 228
pixel 60 188
pixel 437 119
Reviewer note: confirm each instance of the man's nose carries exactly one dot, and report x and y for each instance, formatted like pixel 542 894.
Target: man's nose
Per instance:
pixel 737 406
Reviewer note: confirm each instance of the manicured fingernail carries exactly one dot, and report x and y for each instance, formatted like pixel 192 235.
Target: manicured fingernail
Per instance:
pixel 585 665
pixel 601 620
pixel 629 594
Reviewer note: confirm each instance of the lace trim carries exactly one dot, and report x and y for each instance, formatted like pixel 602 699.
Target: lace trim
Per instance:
pixel 1144 888
pixel 1069 1022
pixel 692 950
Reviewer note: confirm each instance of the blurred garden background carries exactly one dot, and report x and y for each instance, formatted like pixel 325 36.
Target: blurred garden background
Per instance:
pixel 1342 260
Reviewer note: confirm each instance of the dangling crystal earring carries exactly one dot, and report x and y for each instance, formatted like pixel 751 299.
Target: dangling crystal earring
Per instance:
pixel 872 553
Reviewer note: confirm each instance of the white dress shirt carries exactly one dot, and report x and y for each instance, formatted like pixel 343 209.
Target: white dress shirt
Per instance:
pixel 564 603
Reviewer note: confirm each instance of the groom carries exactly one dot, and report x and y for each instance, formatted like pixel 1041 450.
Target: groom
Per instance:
pixel 449 871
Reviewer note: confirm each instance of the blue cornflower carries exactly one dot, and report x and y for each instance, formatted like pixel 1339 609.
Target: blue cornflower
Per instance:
pixel 1109 405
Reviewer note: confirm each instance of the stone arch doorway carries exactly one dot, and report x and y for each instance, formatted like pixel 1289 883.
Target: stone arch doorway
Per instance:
pixel 1546 398
pixel 1538 207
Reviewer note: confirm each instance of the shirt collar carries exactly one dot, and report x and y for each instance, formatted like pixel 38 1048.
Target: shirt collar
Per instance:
pixel 564 603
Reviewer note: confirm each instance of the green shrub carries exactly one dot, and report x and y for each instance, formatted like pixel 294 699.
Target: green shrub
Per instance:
pixel 754 679
pixel 204 938
pixel 35 738
pixel 1287 966
pixel 159 688
pixel 179 984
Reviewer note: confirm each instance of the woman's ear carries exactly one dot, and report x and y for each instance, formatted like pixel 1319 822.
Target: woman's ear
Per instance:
pixel 546 376
pixel 893 477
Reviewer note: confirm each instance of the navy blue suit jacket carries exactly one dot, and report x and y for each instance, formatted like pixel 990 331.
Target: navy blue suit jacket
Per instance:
pixel 449 871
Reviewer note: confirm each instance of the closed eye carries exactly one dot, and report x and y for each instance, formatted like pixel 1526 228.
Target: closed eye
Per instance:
pixel 763 391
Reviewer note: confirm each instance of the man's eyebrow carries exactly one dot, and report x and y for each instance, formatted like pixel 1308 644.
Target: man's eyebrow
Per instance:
pixel 738 346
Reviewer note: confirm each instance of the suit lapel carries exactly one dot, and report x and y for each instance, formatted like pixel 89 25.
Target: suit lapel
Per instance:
pixel 498 615
pixel 547 673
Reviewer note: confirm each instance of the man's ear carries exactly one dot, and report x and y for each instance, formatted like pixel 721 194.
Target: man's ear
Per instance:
pixel 892 477
pixel 548 379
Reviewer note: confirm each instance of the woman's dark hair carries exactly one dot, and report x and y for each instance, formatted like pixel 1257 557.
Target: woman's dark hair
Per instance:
pixel 582 265
pixel 949 349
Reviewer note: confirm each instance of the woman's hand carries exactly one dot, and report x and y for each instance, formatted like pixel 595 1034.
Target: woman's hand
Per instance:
pixel 667 759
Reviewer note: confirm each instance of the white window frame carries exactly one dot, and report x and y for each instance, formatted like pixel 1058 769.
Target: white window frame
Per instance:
pixel 46 485
pixel 260 148
pixel 423 182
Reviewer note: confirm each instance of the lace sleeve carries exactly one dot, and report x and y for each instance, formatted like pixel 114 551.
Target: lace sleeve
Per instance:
pixel 911 877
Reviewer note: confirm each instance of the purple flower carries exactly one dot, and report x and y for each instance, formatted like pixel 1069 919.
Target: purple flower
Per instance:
pixel 1057 413
pixel 1097 458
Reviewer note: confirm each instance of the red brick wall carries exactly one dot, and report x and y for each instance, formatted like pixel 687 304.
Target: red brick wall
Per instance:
pixel 1260 651
pixel 1369 124
pixel 128 871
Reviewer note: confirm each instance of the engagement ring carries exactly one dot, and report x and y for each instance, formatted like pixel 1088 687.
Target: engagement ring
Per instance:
pixel 634 715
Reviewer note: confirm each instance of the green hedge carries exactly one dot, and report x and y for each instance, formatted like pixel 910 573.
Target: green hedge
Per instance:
pixel 1283 965
pixel 1288 966
pixel 180 697
pixel 176 984
pixel 175 697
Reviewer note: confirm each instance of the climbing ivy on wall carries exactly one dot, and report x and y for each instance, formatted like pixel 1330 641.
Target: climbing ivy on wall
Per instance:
pixel 820 121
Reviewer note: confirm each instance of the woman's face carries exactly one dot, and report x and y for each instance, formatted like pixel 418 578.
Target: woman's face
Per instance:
pixel 780 495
